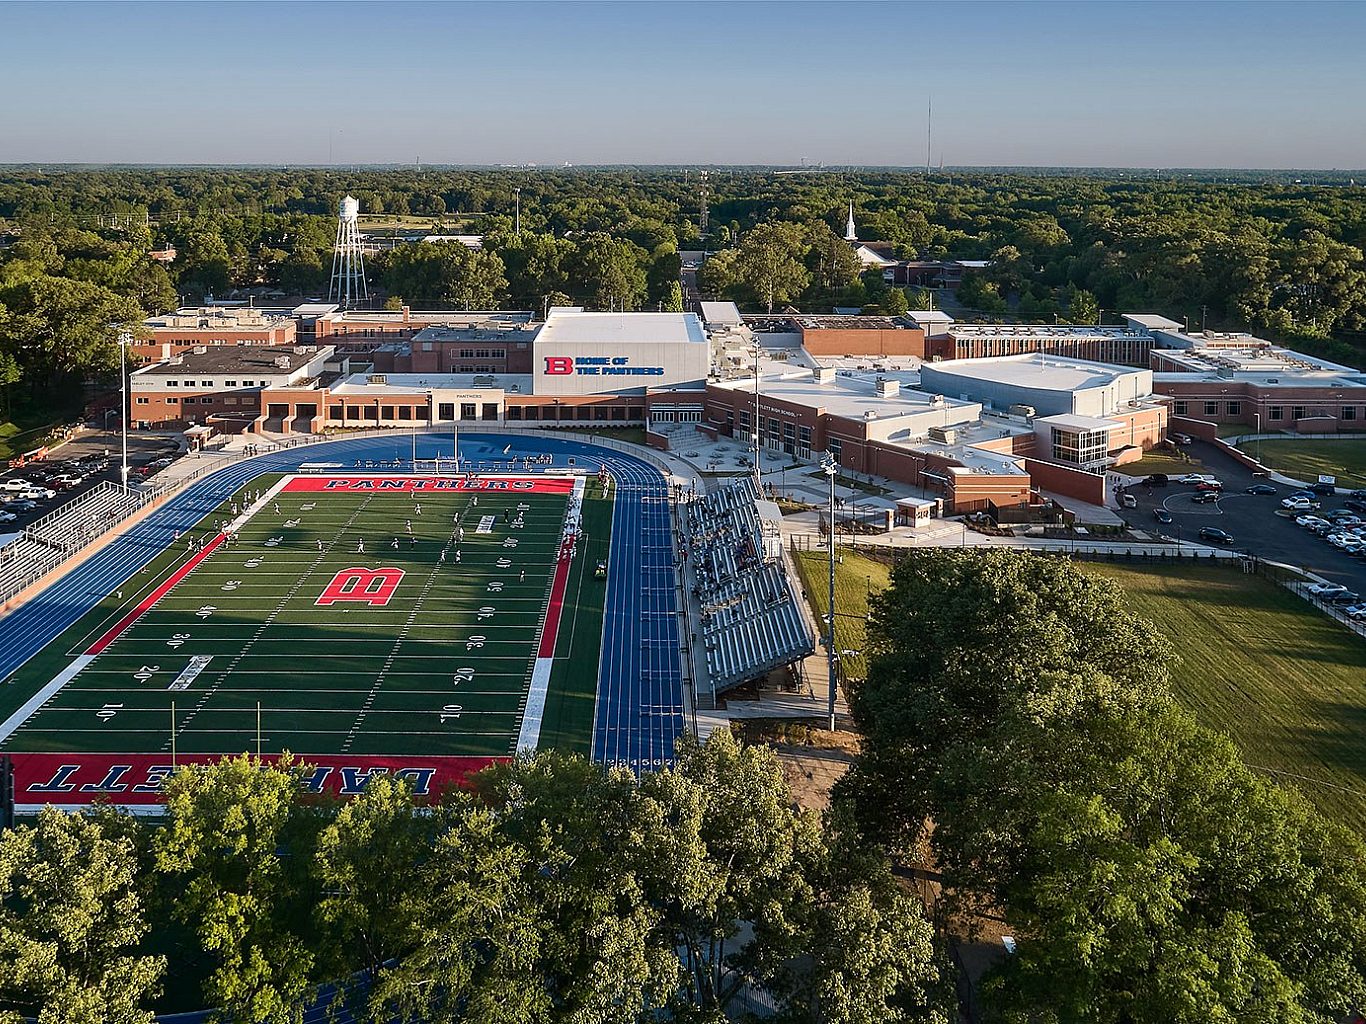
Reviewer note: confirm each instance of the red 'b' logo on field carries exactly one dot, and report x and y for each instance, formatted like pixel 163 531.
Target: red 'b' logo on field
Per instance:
pixel 373 586
pixel 558 365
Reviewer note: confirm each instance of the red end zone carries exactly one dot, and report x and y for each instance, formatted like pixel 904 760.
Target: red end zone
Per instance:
pixel 405 484
pixel 137 779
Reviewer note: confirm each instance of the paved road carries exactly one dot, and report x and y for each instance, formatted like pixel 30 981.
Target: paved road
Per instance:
pixel 1250 518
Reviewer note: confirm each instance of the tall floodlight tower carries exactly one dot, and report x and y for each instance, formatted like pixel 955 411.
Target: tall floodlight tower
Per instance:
pixel 348 260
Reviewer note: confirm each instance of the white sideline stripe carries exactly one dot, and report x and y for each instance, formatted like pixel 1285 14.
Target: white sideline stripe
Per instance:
pixel 256 506
pixel 43 696
pixel 530 735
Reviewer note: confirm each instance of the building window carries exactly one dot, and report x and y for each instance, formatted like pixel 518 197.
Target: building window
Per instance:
pixel 835 446
pixel 1080 447
pixel 804 442
pixel 387 413
pixel 353 412
pixel 1235 408
pixel 172 400
pixel 467 410
pixel 405 412
pixel 467 353
pixel 514 412
pixel 173 383
pixel 334 412
pixel 1179 408
pixel 1277 413
pixel 142 401
pixel 491 411
pixel 206 400
pixel 206 383
pixel 248 383
pixel 1211 408
pixel 230 383
pixel 1297 412
pixel 1349 412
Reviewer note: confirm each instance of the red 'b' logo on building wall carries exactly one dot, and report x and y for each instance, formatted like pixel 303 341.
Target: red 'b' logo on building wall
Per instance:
pixel 558 365
pixel 372 586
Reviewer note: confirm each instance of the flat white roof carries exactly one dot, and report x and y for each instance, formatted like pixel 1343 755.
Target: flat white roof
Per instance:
pixel 1035 370
pixel 1153 321
pixel 928 316
pixel 848 396
pixel 1079 422
pixel 721 313
pixel 421 383
pixel 567 327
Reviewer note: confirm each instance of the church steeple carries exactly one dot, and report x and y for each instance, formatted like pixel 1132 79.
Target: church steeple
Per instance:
pixel 850 234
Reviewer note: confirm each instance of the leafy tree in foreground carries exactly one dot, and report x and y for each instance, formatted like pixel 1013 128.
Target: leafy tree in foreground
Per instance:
pixel 71 920
pixel 1013 702
pixel 239 843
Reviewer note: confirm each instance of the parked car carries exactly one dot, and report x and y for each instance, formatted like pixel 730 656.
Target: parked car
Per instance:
pixel 1156 480
pixel 1323 487
pixel 1162 515
pixel 1359 494
pixel 15 483
pixel 1355 611
pixel 1355 504
pixel 1215 535
pixel 1181 439
pixel 1324 589
pixel 7 517
pixel 38 493
pixel 1346 597
pixel 1204 497
pixel 1209 485
pixel 1300 504
pixel 66 480
pixel 22 505
pixel 1308 520
pixel 1128 501
pixel 1191 478
pixel 1260 489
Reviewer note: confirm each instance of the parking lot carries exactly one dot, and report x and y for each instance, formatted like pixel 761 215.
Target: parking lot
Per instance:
pixel 1251 519
pixel 92 459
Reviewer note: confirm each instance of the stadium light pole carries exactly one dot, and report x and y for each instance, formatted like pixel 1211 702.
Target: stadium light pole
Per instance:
pixel 758 434
pixel 123 404
pixel 831 468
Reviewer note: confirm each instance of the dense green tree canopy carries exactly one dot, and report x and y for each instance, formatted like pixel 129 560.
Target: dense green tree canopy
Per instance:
pixel 1149 876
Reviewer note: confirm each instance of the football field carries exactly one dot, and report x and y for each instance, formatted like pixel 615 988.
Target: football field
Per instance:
pixel 345 616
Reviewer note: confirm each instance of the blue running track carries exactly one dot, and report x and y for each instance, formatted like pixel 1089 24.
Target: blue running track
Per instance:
pixel 639 712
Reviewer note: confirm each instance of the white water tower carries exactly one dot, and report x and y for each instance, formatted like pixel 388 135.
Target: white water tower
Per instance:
pixel 347 287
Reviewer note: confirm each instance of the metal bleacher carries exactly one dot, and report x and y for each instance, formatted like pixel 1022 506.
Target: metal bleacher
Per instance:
pixel 51 540
pixel 751 622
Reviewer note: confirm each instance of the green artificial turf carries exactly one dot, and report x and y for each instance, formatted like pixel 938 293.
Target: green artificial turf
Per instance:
pixel 443 668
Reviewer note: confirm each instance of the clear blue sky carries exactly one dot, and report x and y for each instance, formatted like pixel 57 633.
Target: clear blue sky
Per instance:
pixel 1102 83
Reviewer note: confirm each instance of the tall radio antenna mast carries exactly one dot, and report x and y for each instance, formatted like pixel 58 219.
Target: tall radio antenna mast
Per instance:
pixel 929 129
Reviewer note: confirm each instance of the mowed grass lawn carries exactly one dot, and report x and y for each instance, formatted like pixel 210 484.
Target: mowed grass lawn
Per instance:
pixel 1287 683
pixel 1307 460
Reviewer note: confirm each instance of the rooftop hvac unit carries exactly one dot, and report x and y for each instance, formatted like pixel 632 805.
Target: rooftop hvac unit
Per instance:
pixel 200 350
pixel 944 435
pixel 283 362
pixel 377 378
pixel 888 388
pixel 1022 410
